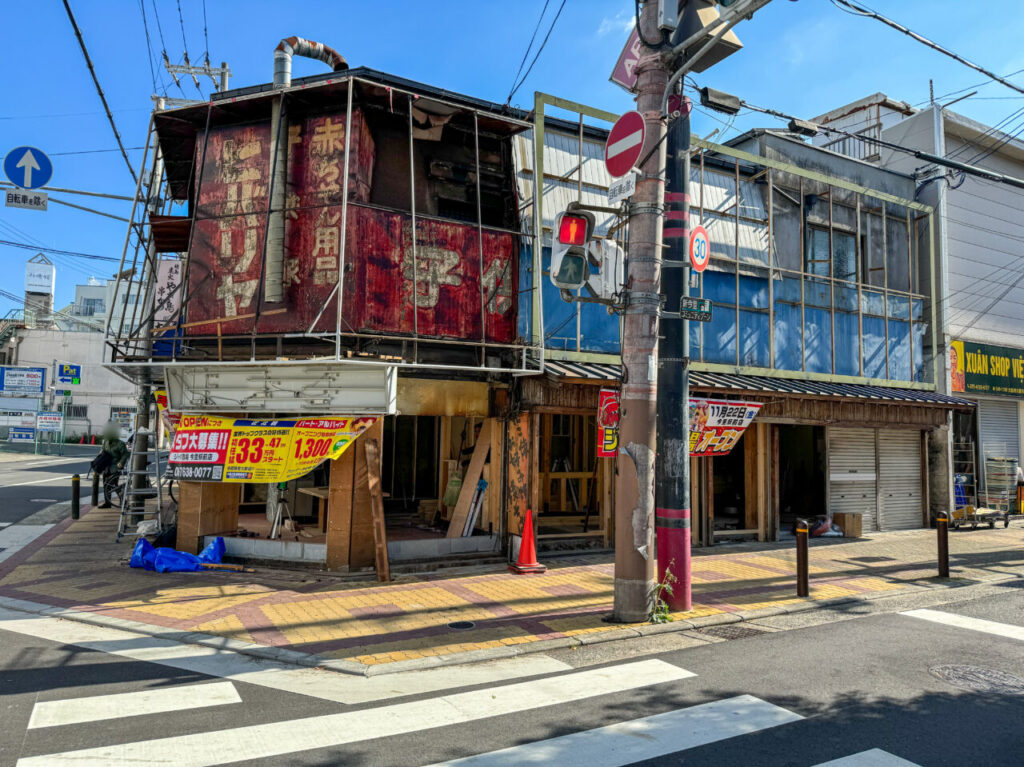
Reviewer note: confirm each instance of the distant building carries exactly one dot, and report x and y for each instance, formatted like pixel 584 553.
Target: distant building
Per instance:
pixel 39 286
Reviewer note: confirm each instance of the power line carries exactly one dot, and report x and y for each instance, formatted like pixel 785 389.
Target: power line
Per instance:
pixel 539 51
pixel 75 254
pixel 91 151
pixel 99 90
pixel 526 53
pixel 206 38
pixel 860 10
pixel 982 84
pixel 149 44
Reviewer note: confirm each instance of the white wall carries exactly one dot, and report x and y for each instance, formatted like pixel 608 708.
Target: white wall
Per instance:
pixel 100 389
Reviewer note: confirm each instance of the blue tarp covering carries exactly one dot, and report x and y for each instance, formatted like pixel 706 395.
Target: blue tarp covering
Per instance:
pixel 166 560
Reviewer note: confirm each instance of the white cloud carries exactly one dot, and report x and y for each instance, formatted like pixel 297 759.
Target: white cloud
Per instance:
pixel 619 23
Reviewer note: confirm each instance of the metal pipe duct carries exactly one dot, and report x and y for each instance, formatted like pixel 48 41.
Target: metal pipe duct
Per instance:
pixel 273 287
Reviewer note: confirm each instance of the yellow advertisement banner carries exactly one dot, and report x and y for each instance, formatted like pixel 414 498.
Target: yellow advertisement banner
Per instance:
pixel 210 448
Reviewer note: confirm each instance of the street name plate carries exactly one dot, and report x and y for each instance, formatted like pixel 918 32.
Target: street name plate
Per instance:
pixel 17 198
pixel 696 309
pixel 621 189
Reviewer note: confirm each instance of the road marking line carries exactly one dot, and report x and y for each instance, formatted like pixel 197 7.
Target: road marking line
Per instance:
pixel 227 664
pixel 876 757
pixel 39 481
pixel 264 741
pixel 964 622
pixel 641 739
pixel 99 707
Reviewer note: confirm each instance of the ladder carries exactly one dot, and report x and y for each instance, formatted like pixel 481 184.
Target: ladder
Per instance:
pixel 149 486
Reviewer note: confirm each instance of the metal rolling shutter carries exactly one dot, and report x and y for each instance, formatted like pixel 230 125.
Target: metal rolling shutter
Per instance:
pixel 999 428
pixel 899 466
pixel 851 468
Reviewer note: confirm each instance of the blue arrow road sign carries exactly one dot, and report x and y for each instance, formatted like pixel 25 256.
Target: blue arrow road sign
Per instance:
pixel 27 167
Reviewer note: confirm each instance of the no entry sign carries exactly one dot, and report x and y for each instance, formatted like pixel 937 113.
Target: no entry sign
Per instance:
pixel 700 248
pixel 625 142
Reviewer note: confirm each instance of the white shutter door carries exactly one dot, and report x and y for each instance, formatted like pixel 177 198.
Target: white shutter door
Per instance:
pixel 999 428
pixel 899 465
pixel 851 470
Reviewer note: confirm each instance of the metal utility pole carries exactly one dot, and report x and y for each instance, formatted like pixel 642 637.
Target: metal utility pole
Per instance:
pixel 634 488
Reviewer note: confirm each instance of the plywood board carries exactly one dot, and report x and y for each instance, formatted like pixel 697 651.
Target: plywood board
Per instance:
pixel 339 511
pixel 206 508
pixel 362 550
pixel 469 482
pixel 517 477
pixel 380 536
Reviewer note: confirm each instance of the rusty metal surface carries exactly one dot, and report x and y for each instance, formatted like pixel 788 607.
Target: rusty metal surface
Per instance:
pixel 379 282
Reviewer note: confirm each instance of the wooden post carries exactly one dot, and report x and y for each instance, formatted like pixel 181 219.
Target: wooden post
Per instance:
pixel 380 536
pixel 339 511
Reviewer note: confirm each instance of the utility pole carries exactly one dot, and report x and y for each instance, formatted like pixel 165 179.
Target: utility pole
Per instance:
pixel 634 488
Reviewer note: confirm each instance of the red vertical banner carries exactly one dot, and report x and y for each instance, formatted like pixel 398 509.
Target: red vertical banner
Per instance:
pixel 608 423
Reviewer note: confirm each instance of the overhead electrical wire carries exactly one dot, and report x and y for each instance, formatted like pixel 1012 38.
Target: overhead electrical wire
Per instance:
pixel 206 38
pixel 539 51
pixel 149 44
pixel 57 251
pixel 860 10
pixel 99 90
pixel 982 84
pixel 526 53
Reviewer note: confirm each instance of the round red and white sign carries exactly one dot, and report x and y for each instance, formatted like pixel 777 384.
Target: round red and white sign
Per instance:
pixel 700 248
pixel 624 144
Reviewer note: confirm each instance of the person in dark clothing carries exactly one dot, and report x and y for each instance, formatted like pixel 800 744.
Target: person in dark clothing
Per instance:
pixel 118 453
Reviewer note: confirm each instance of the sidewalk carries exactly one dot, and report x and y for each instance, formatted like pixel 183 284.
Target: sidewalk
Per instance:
pixel 355 625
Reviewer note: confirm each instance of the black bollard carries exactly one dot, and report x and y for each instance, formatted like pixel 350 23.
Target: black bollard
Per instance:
pixel 942 530
pixel 95 489
pixel 802 529
pixel 76 496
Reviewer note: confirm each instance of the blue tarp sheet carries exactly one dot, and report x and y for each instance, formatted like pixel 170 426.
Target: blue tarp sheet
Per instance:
pixel 166 560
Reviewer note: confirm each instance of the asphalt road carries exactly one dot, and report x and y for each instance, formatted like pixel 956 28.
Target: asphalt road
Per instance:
pixel 29 483
pixel 921 680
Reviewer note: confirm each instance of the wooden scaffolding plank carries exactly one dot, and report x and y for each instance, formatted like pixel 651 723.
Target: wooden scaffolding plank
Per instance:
pixel 380 536
pixel 469 482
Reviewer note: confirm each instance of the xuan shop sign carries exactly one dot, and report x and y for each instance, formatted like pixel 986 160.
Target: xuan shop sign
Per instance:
pixel 985 369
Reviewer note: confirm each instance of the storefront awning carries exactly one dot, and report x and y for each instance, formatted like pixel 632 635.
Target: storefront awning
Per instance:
pixel 742 384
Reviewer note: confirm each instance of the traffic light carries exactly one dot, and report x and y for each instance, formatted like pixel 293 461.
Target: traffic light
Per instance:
pixel 609 261
pixel 570 268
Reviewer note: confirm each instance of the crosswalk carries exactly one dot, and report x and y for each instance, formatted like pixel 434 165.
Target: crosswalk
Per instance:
pixel 616 745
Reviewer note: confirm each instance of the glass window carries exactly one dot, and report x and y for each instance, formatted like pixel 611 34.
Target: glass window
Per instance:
pixel 899 307
pixel 786 227
pixel 847 338
pixel 920 331
pixel 873 303
pixel 845 298
pixel 817 257
pixel 817 292
pixel 874 347
pixel 873 256
pixel 899 350
pixel 844 256
pixel 817 340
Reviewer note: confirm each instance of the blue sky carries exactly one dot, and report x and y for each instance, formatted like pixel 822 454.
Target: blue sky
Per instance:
pixel 802 57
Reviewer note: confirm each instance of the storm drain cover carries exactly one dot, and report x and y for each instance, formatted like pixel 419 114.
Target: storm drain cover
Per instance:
pixel 732 631
pixel 979 679
pixel 461 625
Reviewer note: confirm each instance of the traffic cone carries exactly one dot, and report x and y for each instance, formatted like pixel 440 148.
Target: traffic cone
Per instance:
pixel 527 563
pixel 93 442
pixel 82 440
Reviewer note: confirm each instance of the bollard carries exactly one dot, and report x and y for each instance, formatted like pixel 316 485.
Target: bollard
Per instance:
pixel 76 496
pixel 942 530
pixel 95 489
pixel 802 529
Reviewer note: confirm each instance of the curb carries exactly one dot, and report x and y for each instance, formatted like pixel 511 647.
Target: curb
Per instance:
pixel 353 668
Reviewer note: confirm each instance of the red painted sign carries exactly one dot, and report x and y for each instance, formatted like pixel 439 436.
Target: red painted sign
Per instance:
pixel 624 73
pixel 700 248
pixel 625 143
pixel 380 277
pixel 608 423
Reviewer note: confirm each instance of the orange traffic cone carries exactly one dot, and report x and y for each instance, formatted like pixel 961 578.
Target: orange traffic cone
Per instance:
pixel 93 442
pixel 527 563
pixel 82 440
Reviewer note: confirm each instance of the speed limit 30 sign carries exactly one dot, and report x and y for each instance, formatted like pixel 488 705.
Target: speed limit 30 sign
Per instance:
pixel 700 248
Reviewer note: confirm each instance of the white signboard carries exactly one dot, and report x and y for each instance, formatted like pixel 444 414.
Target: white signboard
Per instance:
pixel 39 277
pixel 168 290
pixel 26 418
pixel 14 380
pixel 16 198
pixel 622 189
pixel 49 420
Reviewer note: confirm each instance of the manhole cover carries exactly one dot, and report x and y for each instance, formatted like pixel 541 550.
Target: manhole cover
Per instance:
pixel 461 625
pixel 979 679
pixel 43 500
pixel 732 631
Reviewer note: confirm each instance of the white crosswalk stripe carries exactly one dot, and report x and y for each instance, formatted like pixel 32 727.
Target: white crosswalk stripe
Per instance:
pixel 119 705
pixel 876 757
pixel 965 622
pixel 288 737
pixel 634 741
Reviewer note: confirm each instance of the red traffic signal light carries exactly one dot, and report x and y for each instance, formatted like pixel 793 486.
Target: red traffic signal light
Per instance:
pixel 573 230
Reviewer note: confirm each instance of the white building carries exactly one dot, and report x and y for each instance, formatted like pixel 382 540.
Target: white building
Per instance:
pixel 101 396
pixel 980 268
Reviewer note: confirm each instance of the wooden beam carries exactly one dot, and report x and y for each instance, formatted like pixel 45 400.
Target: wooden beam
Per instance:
pixel 469 482
pixel 380 536
pixel 339 511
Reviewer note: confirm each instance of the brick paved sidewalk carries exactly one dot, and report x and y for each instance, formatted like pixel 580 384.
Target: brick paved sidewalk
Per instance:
pixel 78 566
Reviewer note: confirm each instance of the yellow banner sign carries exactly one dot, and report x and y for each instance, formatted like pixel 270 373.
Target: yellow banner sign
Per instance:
pixel 213 449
